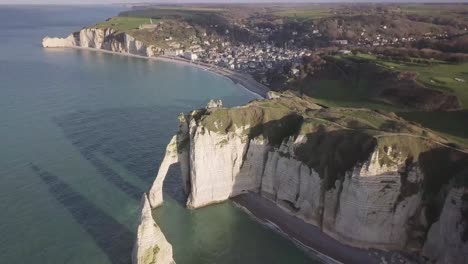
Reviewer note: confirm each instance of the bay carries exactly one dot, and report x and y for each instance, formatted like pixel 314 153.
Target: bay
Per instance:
pixel 81 137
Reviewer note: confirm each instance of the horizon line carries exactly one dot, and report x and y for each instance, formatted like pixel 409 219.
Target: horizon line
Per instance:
pixel 222 2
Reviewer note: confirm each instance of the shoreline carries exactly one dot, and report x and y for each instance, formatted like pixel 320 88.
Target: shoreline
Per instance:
pixel 307 236
pixel 243 80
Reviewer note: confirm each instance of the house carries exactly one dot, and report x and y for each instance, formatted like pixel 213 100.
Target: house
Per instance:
pixel 294 71
pixel 190 56
pixel 148 26
pixel 341 41
pixel 173 52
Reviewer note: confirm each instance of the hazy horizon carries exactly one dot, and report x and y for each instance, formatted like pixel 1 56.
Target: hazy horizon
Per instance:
pixel 105 2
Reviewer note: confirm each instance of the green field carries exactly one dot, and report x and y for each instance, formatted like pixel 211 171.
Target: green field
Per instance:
pixel 202 16
pixel 306 13
pixel 452 125
pixel 339 93
pixel 124 23
pixel 436 10
pixel 437 75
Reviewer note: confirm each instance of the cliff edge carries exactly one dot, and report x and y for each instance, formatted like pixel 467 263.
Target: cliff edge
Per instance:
pixel 103 38
pixel 368 179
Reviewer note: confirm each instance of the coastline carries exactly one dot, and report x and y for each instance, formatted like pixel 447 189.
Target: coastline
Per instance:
pixel 307 236
pixel 243 80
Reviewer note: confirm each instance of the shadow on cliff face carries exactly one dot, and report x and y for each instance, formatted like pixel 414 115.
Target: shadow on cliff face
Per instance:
pixel 278 130
pixel 330 153
pixel 173 185
pixel 333 153
pixel 114 239
pixel 441 167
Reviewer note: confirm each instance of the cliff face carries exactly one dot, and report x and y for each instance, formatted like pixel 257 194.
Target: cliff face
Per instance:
pixel 106 39
pixel 443 239
pixel 150 246
pixel 363 186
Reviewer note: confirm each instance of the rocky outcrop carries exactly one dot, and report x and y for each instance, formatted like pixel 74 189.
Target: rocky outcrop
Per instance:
pixel 155 194
pixel 364 187
pixel 447 238
pixel 49 42
pixel 214 103
pixel 150 246
pixel 105 39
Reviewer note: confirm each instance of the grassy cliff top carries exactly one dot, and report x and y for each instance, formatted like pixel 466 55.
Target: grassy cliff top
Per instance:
pixel 124 24
pixel 292 115
pixel 332 141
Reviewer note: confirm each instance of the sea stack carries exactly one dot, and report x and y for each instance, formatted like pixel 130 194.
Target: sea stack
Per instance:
pixel 151 245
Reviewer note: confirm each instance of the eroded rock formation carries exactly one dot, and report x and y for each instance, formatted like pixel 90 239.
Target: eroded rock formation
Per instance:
pixel 105 39
pixel 366 178
pixel 151 246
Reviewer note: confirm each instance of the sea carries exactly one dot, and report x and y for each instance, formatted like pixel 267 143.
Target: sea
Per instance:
pixel 82 134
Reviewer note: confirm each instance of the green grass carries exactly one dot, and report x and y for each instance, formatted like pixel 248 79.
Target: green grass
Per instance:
pixel 443 76
pixel 307 13
pixel 451 125
pixel 437 75
pixel 439 10
pixel 342 93
pixel 124 24
pixel 372 118
pixel 192 8
pixel 202 16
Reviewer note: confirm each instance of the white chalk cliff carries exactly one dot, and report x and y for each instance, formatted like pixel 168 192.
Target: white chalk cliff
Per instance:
pixel 364 190
pixel 151 246
pixel 105 39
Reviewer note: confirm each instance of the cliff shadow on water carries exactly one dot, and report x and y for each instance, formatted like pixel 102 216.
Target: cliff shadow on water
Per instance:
pixel 129 137
pixel 114 239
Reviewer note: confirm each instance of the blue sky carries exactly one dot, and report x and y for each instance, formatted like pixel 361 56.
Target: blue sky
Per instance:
pixel 64 2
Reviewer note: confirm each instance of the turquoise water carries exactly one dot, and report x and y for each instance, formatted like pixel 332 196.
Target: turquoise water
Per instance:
pixel 81 137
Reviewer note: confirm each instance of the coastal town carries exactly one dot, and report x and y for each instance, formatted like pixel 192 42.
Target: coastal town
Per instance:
pixel 266 47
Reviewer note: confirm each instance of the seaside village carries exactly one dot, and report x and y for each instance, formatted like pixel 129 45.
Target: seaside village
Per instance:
pixel 257 58
pixel 263 56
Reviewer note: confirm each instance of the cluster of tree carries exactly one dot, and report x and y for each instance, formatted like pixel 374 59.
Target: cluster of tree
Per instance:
pixel 311 64
pixel 418 55
pixel 443 21
pixel 456 45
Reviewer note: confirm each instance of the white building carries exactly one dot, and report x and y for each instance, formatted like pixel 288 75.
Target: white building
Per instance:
pixel 190 56
pixel 173 52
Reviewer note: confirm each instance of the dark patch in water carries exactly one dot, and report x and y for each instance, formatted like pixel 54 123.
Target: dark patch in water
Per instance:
pixel 114 239
pixel 113 177
pixel 132 137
